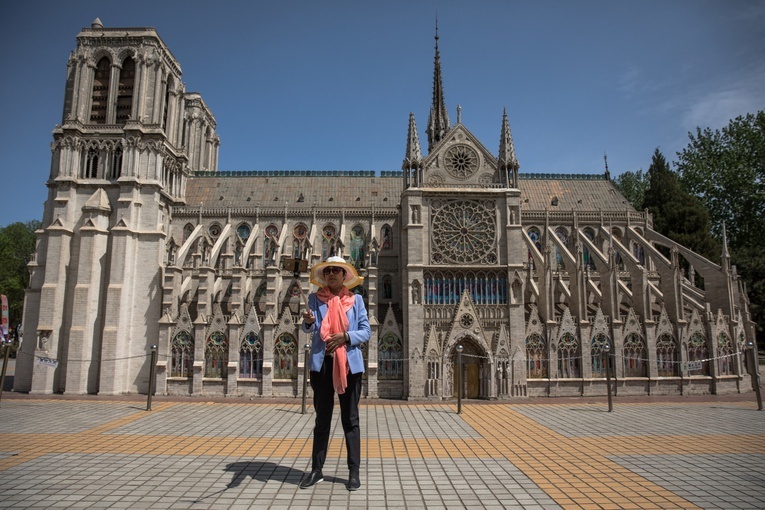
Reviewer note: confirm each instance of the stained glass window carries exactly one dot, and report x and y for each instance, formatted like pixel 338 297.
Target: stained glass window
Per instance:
pixel 724 355
pixel 598 353
pixel 568 357
pixel 182 355
pixel 390 362
pixel 666 356
pixel 216 356
pixel 635 356
pixel 536 357
pixel 251 357
pixel 285 357
pixel 698 351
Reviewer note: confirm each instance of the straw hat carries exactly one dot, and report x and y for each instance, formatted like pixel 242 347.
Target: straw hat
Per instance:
pixel 352 278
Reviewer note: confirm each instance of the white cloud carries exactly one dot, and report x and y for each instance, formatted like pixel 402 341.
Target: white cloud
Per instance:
pixel 714 108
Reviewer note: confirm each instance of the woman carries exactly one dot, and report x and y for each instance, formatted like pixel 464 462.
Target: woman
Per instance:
pixel 337 321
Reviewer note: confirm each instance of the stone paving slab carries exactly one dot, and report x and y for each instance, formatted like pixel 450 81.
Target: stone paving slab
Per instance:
pixel 646 419
pixel 187 454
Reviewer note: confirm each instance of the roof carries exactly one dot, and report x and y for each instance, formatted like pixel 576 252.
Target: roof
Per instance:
pixel 365 189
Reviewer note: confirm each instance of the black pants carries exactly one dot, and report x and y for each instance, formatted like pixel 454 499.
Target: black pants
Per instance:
pixel 323 404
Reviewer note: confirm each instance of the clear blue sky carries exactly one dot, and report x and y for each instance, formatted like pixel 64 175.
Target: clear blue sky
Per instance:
pixel 328 85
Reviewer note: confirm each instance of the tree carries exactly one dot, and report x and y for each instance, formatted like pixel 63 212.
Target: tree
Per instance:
pixel 726 170
pixel 677 214
pixel 17 244
pixel 633 186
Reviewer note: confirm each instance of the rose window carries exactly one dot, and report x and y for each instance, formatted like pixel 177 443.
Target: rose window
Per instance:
pixel 461 161
pixel 464 232
pixel 466 321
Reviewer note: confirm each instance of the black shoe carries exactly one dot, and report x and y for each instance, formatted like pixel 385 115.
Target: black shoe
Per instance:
pixel 311 479
pixel 353 482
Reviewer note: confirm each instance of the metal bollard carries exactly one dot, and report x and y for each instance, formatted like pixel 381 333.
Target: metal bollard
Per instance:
pixel 459 379
pixel 305 375
pixel 607 349
pixel 755 372
pixel 152 376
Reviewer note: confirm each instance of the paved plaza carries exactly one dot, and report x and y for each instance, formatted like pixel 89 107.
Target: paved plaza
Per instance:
pixel 651 452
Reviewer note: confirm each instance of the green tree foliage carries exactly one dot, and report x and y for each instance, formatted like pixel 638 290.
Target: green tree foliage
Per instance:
pixel 17 244
pixel 633 186
pixel 677 214
pixel 726 170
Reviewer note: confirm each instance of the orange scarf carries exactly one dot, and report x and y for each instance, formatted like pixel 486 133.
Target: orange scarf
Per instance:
pixel 336 321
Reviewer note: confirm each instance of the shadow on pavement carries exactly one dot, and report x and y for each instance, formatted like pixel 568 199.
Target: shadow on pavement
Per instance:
pixel 262 471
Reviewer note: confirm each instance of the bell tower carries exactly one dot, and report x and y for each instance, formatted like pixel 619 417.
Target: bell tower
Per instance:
pixel 129 138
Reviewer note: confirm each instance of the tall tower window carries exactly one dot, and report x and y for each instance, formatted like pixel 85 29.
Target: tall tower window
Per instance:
pixel 358 246
pixel 125 91
pixel 91 163
pixel 100 96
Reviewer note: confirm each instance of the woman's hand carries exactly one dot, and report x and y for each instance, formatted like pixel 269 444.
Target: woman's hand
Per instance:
pixel 335 341
pixel 308 317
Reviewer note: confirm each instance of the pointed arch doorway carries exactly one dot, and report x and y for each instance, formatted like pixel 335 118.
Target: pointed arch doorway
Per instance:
pixel 473 366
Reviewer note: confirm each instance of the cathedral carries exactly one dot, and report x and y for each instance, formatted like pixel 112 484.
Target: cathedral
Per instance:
pixel 545 283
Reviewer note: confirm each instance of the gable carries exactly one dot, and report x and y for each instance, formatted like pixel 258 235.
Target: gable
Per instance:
pixel 460 160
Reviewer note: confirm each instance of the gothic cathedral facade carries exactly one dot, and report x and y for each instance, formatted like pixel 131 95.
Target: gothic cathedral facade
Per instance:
pixel 534 277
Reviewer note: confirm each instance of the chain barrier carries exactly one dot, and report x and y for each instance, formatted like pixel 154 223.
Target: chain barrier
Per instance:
pixel 423 357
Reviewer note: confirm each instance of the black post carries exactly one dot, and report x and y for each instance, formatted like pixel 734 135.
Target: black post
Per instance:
pixel 305 375
pixel 7 343
pixel 152 376
pixel 754 371
pixel 459 379
pixel 607 349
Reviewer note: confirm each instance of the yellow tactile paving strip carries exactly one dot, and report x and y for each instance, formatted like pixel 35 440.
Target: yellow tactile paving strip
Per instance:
pixel 575 472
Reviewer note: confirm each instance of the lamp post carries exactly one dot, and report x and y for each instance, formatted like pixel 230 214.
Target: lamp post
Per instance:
pixel 607 350
pixel 152 376
pixel 459 379
pixel 755 373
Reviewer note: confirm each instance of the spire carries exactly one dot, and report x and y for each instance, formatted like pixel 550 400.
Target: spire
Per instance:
pixel 605 159
pixel 438 120
pixel 508 163
pixel 412 165
pixel 725 254
pixel 413 156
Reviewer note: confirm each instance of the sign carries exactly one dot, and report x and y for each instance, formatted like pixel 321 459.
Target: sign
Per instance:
pixel 48 362
pixel 4 315
pixel 691 365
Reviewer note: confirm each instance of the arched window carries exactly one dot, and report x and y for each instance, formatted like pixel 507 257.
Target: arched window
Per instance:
pixel 536 357
pixel 182 355
pixel 666 356
pixel 358 247
pixel 699 352
pixel 187 230
pixel 390 359
pixel 269 245
pixel 588 262
pixel 166 105
pixel 251 357
pixel 100 96
pixel 536 238
pixel 635 356
pixel 216 356
pixel 562 234
pixel 598 354
pixel 328 242
pixel 724 355
pixel 299 241
pixel 637 251
pixel 285 357
pixel 387 282
pixel 387 237
pixel 116 163
pixel 568 357
pixel 91 163
pixel 125 91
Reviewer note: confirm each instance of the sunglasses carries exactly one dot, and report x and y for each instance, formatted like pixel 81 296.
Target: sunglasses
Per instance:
pixel 335 270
